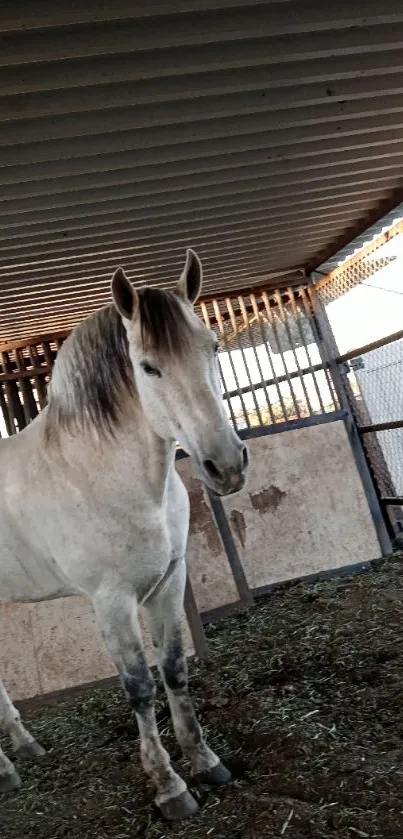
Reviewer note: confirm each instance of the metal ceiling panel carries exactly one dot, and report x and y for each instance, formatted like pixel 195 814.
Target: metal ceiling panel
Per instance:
pixel 265 134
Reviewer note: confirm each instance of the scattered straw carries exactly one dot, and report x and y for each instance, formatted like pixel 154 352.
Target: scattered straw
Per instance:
pixel 301 695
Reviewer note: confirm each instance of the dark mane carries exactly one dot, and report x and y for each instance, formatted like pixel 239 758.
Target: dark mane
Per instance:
pixel 93 373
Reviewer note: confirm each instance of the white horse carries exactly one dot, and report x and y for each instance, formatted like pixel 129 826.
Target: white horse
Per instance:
pixel 91 502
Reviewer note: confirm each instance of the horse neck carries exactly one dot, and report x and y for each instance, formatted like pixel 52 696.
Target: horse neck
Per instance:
pixel 133 456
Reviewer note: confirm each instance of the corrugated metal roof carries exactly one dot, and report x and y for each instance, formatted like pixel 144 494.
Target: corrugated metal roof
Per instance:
pixel 265 134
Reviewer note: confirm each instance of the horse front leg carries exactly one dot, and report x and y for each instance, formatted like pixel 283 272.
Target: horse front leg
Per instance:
pixel 9 777
pixel 117 615
pixel 23 743
pixel 165 613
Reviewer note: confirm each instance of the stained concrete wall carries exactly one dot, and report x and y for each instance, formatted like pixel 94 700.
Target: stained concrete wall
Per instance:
pixel 208 565
pixel 53 646
pixel 303 511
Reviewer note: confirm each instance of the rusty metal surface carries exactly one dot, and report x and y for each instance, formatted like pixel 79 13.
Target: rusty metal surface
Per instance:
pixel 365 260
pixel 265 134
pixel 381 228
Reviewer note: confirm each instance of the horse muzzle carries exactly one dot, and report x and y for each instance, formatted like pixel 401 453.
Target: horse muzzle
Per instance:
pixel 222 476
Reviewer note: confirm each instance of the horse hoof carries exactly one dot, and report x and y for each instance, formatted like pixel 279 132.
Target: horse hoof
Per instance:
pixel 28 751
pixel 181 807
pixel 9 782
pixel 217 776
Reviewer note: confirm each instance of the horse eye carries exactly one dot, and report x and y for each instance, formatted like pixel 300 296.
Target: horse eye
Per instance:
pixel 151 371
pixel 216 348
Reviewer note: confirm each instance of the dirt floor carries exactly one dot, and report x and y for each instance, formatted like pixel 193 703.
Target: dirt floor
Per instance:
pixel 302 695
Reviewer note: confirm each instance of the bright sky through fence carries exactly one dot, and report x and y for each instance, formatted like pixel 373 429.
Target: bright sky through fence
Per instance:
pixel 374 308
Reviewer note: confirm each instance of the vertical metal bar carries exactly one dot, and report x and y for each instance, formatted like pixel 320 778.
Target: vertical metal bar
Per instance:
pixel 310 313
pixel 13 396
pixel 231 549
pixel 223 334
pixel 252 343
pixel 205 313
pixel 47 352
pixel 194 620
pixel 39 384
pixel 4 410
pixel 329 351
pixel 284 314
pixel 28 401
pixel 207 321
pixel 240 347
pixel 297 311
pixel 271 319
pixel 258 314
pixel 7 402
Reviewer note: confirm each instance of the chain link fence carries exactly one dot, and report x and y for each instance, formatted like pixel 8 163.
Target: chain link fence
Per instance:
pixel 372 373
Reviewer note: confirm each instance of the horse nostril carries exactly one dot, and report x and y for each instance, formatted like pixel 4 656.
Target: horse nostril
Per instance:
pixel 245 457
pixel 212 470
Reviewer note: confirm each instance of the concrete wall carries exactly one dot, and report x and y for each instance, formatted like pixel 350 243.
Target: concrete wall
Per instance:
pixel 53 646
pixel 209 569
pixel 303 511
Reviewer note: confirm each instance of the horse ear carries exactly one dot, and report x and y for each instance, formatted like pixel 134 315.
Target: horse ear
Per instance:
pixel 124 295
pixel 191 279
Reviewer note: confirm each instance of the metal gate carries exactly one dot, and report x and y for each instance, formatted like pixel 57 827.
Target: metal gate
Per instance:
pixel 370 375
